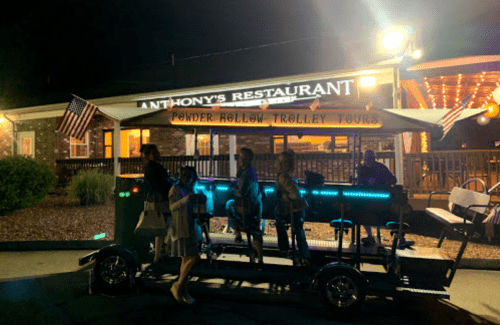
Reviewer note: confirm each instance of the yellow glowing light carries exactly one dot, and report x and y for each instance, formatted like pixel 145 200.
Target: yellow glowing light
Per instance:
pixel 423 142
pixel 417 54
pixel 393 40
pixel 492 110
pixel 367 81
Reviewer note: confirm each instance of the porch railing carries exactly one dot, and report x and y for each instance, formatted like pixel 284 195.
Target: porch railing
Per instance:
pixel 426 172
pixel 335 167
pixel 423 172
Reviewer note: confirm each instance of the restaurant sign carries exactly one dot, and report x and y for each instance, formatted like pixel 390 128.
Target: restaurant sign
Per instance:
pixel 274 118
pixel 300 92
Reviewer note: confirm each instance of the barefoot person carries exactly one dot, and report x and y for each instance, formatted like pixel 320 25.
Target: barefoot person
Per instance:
pixel 182 235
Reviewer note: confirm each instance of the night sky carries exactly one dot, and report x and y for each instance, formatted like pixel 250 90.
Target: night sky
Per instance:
pixel 115 47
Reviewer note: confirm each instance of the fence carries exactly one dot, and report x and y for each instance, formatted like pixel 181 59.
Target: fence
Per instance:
pixel 426 172
pixel 423 172
pixel 336 167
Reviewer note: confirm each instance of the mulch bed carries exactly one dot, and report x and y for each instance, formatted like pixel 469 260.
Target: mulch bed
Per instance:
pixel 58 219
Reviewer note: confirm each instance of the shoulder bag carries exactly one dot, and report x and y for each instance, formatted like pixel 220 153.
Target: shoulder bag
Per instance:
pixel 151 222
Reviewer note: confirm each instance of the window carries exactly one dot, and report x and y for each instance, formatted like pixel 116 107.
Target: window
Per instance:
pixel 203 144
pixel 108 144
pixel 131 142
pixel 304 144
pixel 26 143
pixel 79 148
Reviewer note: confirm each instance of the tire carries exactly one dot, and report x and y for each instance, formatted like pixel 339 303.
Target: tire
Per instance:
pixel 343 290
pixel 114 273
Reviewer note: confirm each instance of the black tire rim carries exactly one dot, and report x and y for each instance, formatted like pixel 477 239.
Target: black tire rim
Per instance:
pixel 342 291
pixel 113 270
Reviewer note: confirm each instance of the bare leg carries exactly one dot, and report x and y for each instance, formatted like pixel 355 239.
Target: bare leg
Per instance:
pixel 188 262
pixel 158 245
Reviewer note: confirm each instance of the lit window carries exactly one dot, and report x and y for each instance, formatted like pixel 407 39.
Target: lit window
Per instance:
pixel 203 144
pixel 27 146
pixel 131 142
pixel 108 144
pixel 79 148
pixel 308 144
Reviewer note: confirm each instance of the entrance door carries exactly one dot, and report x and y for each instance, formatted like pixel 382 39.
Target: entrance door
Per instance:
pixel 26 143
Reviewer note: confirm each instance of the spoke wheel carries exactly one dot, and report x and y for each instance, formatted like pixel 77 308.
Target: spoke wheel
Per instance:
pixel 114 272
pixel 343 290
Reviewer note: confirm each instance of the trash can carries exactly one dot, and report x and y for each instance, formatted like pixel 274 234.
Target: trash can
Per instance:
pixel 129 203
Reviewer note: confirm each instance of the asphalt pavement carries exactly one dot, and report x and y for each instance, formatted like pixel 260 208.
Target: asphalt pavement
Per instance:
pixel 48 287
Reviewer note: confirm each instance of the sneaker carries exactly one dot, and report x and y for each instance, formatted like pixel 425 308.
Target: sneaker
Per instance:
pixel 368 241
pixel 403 243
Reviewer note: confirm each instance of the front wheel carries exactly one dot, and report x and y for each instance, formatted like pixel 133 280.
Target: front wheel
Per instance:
pixel 114 273
pixel 343 290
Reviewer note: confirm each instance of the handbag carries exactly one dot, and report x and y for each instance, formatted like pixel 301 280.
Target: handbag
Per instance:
pixel 151 222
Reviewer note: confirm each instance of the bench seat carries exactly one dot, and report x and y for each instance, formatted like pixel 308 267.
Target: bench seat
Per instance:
pixel 463 198
pixel 447 218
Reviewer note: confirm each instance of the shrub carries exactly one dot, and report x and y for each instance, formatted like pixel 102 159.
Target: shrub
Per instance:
pixel 91 187
pixel 23 183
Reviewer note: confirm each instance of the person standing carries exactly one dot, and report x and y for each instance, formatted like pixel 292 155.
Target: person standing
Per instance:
pixel 290 202
pixel 156 183
pixel 246 185
pixel 182 234
pixel 374 174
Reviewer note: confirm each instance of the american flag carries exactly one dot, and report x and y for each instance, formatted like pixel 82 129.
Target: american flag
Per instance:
pixel 449 119
pixel 315 105
pixel 407 137
pixel 76 118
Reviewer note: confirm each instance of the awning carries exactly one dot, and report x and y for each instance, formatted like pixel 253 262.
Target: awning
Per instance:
pixel 288 119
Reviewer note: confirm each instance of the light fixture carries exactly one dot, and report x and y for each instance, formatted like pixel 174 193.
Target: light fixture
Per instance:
pixel 483 120
pixel 393 40
pixel 367 81
pixel 417 54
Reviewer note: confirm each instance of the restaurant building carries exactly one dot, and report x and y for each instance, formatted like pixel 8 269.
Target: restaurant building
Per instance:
pixel 31 131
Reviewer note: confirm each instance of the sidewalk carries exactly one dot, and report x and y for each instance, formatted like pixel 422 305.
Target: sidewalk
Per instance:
pixel 15 264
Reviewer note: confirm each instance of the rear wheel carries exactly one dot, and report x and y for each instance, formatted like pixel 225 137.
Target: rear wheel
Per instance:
pixel 114 273
pixel 343 290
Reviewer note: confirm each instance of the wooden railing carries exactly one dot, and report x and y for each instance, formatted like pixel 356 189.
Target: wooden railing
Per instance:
pixel 335 167
pixel 423 172
pixel 442 170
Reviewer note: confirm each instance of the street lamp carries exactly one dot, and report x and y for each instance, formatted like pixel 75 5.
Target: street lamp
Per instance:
pixel 400 42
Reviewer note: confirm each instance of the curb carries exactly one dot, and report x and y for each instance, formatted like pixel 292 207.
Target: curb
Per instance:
pixel 54 245
pixel 479 264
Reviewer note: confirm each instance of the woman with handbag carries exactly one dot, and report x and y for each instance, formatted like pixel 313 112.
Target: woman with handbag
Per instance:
pixel 156 184
pixel 290 203
pixel 182 234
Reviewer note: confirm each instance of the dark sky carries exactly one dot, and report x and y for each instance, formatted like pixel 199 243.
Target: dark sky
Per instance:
pixel 114 47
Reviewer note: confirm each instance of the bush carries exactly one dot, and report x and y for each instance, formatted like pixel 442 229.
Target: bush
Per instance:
pixel 23 183
pixel 91 187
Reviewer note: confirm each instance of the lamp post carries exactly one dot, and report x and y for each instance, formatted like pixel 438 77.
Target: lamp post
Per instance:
pixel 400 42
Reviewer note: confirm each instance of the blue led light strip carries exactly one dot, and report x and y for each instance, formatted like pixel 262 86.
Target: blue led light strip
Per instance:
pixel 367 195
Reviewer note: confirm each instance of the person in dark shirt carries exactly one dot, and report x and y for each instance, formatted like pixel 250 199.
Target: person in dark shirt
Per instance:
pixel 246 185
pixel 157 183
pixel 374 174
